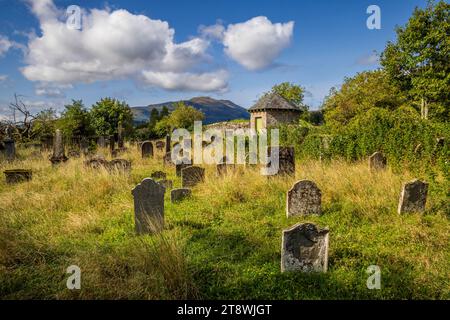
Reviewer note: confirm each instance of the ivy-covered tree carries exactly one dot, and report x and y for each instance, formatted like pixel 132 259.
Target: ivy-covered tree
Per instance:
pixel 418 62
pixel 291 92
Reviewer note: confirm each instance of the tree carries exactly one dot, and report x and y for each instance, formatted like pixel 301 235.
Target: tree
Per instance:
pixel 44 124
pixel 164 112
pixel 106 115
pixel 182 117
pixel 76 120
pixel 419 61
pixel 366 90
pixel 291 92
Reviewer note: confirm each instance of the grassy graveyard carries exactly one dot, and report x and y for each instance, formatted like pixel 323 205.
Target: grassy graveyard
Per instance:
pixel 223 242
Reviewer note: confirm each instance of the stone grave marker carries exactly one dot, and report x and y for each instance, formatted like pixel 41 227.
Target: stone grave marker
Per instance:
pixel 303 198
pixel 148 206
pixel 179 194
pixel 147 149
pixel 413 197
pixel 58 149
pixel 158 175
pixel 377 161
pixel 304 248
pixel 191 176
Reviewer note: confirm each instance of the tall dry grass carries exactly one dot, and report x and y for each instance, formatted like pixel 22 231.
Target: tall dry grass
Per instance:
pixel 223 242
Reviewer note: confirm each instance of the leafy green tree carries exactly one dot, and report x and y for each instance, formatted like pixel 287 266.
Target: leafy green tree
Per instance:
pixel 106 115
pixel 291 92
pixel 75 121
pixel 182 117
pixel 366 90
pixel 44 124
pixel 418 62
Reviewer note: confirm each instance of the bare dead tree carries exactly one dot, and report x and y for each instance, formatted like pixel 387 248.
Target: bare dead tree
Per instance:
pixel 22 117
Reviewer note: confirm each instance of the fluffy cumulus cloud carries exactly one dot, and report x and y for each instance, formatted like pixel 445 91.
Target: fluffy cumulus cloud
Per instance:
pixel 209 81
pixel 113 45
pixel 256 43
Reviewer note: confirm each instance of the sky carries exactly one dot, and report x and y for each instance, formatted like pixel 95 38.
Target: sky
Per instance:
pixel 146 52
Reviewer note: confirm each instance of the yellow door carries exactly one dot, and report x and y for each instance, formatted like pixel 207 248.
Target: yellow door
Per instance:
pixel 258 124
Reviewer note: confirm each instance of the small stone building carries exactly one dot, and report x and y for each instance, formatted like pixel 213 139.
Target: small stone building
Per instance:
pixel 271 110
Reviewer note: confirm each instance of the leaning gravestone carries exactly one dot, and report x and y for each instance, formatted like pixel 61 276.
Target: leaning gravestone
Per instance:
pixel 147 149
pixel 158 175
pixel 191 176
pixel 413 197
pixel 148 206
pixel 303 198
pixel 179 167
pixel 179 194
pixel 286 160
pixel 223 167
pixel 304 248
pixel 377 161
pixel 17 175
pixel 58 149
pixel 120 165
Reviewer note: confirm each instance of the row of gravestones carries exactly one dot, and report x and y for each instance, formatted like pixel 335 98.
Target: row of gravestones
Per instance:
pixel 147 147
pixel 305 246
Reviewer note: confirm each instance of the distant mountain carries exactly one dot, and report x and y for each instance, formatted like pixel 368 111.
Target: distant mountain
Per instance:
pixel 214 110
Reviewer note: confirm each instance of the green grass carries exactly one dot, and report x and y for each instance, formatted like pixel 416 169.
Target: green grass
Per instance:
pixel 224 242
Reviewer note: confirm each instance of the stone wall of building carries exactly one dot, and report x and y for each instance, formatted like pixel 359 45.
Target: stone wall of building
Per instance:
pixel 275 117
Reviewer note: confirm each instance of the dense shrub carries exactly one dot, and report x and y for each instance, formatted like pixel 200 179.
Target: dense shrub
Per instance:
pixel 405 139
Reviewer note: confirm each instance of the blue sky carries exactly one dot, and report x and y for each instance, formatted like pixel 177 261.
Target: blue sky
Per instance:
pixel 153 51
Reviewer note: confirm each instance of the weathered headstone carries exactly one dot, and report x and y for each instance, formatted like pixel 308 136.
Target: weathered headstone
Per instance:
pixel 147 149
pixel 223 167
pixel 286 160
pixel 120 165
pixel 120 143
pixel 167 184
pixel 191 176
pixel 179 167
pixel 17 175
pixel 84 145
pixel 97 163
pixel 148 206
pixel 179 194
pixel 10 148
pixel 167 145
pixel 158 175
pixel 303 198
pixel 159 145
pixel 167 159
pixel 304 248
pixel 413 197
pixel 377 161
pixel 58 149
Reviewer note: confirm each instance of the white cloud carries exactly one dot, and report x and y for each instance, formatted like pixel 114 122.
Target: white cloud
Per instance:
pixel 111 45
pixel 3 77
pixel 215 31
pixel 208 81
pixel 369 59
pixel 256 43
pixel 5 45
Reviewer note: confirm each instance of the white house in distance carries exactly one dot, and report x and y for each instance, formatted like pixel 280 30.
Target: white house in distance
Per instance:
pixel 271 110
